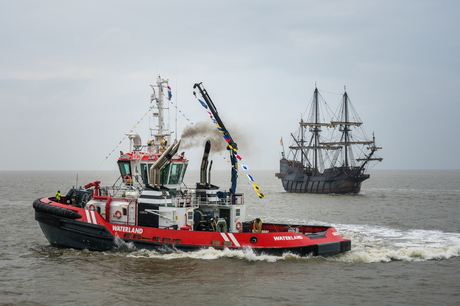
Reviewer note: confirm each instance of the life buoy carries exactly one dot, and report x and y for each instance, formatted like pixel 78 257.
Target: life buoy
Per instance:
pixel 188 201
pixel 238 226
pixel 92 207
pixel 127 179
pixel 117 214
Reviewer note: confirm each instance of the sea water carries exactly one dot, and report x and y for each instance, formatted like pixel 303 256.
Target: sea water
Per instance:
pixel 404 227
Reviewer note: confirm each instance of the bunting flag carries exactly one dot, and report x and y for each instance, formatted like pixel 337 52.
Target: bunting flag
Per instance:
pixel 119 143
pixel 169 93
pixel 227 139
pixel 244 167
pixel 204 104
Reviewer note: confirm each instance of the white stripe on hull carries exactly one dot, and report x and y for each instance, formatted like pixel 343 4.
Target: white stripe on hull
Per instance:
pixel 234 239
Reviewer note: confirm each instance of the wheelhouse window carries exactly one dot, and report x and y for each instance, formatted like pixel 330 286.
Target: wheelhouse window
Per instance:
pixel 124 168
pixel 145 174
pixel 165 175
pixel 176 171
pixel 181 178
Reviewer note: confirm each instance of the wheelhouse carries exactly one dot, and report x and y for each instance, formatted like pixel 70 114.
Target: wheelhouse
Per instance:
pixel 135 170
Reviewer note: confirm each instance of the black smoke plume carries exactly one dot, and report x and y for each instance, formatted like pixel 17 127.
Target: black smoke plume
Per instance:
pixel 195 136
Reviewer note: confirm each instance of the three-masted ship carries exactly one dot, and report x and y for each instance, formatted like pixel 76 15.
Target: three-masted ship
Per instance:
pixel 328 156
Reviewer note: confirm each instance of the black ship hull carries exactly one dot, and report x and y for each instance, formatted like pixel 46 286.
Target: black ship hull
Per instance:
pixel 341 180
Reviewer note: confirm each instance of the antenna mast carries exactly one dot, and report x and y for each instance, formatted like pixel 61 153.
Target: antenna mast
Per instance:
pixel 160 131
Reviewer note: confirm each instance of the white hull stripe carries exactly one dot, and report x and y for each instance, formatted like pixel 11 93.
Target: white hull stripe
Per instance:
pixel 233 239
pixel 225 237
pixel 91 218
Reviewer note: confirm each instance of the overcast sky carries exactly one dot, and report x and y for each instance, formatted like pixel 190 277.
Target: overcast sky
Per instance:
pixel 75 75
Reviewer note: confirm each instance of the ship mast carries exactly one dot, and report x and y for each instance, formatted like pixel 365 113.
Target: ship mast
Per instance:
pixel 346 139
pixel 160 132
pixel 314 145
pixel 346 127
pixel 316 130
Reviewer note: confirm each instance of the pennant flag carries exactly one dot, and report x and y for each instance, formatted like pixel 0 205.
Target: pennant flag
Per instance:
pixel 169 93
pixel 228 139
pixel 204 104
pixel 281 141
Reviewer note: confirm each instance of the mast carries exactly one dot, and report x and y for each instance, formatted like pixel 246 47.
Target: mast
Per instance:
pixel 302 141
pixel 346 139
pixel 346 128
pixel 160 132
pixel 316 129
pixel 314 146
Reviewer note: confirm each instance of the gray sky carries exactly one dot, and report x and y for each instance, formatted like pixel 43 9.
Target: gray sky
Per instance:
pixel 75 75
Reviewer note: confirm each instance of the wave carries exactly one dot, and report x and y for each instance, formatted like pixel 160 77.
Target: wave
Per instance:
pixel 380 244
pixel 370 244
pixel 207 254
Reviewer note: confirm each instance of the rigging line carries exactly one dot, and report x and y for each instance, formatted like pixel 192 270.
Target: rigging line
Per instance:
pixel 120 142
pixel 333 93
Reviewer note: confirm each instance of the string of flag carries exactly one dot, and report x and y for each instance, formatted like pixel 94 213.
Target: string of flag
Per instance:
pixel 150 108
pixel 120 142
pixel 251 180
pixel 227 139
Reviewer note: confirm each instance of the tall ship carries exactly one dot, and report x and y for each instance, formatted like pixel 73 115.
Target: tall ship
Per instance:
pixel 150 207
pixel 328 155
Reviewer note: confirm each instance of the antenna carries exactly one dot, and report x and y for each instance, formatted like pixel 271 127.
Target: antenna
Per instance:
pixel 175 127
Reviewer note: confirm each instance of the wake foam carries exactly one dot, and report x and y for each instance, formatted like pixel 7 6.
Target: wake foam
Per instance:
pixel 369 244
pixel 209 254
pixel 379 244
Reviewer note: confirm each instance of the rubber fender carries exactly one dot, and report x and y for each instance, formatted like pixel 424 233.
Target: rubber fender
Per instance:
pixel 54 210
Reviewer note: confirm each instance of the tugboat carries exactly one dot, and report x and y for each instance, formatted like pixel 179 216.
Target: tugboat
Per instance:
pixel 317 164
pixel 149 207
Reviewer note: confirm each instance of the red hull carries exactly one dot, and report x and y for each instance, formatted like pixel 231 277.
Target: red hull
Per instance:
pixel 88 229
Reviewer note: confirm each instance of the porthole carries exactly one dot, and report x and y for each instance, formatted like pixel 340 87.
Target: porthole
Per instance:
pixel 253 240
